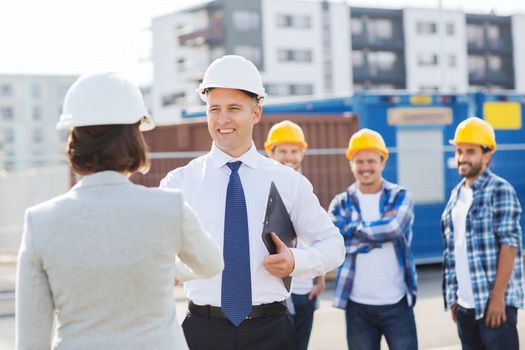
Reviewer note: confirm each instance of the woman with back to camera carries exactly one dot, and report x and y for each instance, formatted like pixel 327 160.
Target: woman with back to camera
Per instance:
pixel 101 257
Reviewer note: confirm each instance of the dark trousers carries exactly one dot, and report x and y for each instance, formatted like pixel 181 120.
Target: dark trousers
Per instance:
pixel 303 318
pixel 475 335
pixel 365 324
pixel 264 333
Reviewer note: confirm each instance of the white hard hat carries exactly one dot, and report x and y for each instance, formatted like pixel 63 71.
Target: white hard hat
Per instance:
pixel 232 72
pixel 104 99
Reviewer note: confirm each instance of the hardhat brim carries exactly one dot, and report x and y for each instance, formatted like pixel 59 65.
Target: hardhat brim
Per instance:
pixel 70 122
pixel 492 147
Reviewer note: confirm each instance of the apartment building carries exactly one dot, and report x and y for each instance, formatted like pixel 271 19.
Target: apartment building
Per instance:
pixel 323 47
pixel 29 109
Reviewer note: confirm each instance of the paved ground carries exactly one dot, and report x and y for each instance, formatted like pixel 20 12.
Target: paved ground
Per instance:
pixel 435 329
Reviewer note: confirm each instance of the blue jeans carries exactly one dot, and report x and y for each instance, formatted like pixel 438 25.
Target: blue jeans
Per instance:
pixel 475 335
pixel 365 324
pixel 303 318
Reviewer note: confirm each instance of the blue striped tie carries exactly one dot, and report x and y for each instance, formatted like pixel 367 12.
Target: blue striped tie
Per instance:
pixel 236 297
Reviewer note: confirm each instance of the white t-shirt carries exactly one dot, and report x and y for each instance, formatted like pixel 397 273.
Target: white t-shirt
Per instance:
pixel 459 221
pixel 379 280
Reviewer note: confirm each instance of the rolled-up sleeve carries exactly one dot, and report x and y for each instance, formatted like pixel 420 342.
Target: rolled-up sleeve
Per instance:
pixel 325 248
pixel 507 212
pixel 34 302
pixel 389 229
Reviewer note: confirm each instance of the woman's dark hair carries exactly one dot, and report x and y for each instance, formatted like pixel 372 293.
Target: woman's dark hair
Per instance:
pixel 121 148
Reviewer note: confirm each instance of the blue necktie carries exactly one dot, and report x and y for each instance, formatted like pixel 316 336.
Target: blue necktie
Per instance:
pixel 236 297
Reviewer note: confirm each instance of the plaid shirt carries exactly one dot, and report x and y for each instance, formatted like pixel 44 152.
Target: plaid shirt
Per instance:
pixel 361 236
pixel 492 221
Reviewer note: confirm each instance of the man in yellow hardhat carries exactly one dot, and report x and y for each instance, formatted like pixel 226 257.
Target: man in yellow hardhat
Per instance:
pixel 376 285
pixel 482 261
pixel 286 144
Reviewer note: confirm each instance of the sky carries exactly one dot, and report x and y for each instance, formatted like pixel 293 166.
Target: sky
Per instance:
pixel 77 37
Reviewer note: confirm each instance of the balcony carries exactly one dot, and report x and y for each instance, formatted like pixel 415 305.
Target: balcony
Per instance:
pixel 212 35
pixel 375 75
pixel 377 44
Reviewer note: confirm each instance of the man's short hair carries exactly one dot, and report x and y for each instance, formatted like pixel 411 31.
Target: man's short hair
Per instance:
pixel 122 148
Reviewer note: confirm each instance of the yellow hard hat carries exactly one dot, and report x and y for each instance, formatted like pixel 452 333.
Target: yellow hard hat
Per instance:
pixel 366 139
pixel 285 132
pixel 477 131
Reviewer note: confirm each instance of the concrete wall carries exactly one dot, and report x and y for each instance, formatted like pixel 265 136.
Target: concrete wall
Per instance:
pixel 20 190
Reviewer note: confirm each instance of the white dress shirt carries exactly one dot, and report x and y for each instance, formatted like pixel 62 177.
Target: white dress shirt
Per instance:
pixel 204 182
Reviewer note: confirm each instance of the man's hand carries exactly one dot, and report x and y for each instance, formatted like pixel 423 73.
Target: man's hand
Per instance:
pixel 318 287
pixel 282 263
pixel 176 282
pixel 453 311
pixel 495 315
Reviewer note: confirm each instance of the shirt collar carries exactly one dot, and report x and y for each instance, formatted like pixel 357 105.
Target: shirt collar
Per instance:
pixel 385 186
pixel 102 178
pixel 219 158
pixel 481 180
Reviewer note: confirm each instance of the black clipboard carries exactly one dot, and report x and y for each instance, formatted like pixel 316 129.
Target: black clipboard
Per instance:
pixel 277 219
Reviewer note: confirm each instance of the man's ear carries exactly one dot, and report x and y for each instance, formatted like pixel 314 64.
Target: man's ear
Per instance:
pixel 257 113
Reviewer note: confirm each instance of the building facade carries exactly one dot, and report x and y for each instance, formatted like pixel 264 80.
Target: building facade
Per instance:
pixel 323 47
pixel 29 110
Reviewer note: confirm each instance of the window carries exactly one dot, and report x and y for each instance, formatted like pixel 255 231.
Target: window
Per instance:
pixel 451 60
pixel 382 60
pixel 450 29
pixel 495 63
pixel 294 21
pixel 9 136
pixel 421 149
pixel 6 90
pixel 427 59
pixel 253 53
pixel 37 136
pixel 493 33
pixel 428 88
pixel 35 91
pixel 381 29
pixel 278 89
pixel 37 113
pixel 357 26
pixel 295 55
pixel 245 21
pixel 358 58
pixel 7 113
pixel 476 66
pixel 302 89
pixel 180 64
pixel 475 35
pixel 426 27
pixel 173 99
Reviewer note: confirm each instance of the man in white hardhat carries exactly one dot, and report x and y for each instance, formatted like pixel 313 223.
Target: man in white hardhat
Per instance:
pixel 97 262
pixel 243 308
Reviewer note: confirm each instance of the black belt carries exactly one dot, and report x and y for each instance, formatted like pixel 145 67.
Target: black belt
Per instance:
pixel 264 310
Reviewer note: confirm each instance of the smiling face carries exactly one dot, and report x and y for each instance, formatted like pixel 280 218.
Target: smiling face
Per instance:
pixel 471 160
pixel 367 167
pixel 289 154
pixel 231 117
